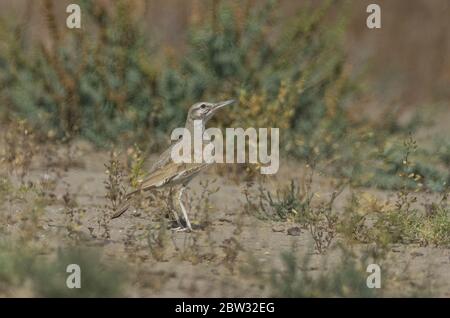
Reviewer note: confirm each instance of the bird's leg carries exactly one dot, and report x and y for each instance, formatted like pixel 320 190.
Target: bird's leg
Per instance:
pixel 177 218
pixel 180 196
pixel 174 211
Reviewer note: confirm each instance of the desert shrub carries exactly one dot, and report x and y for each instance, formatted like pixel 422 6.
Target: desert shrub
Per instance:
pixel 284 205
pixel 364 219
pixel 288 74
pixel 111 82
pixel 300 205
pixel 367 219
pixel 443 151
pixel 425 167
pixel 370 158
pixel 5 187
pixel 114 183
pixel 292 74
pixel 21 211
pixel 435 227
pixel 97 83
pixel 19 148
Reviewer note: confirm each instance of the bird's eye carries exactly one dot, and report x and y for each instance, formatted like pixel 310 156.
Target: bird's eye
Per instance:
pixel 202 106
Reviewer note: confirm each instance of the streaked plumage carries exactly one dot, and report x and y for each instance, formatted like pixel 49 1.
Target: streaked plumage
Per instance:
pixel 165 172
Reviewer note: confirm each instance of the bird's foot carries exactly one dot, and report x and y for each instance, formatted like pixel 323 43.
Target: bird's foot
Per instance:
pixel 182 229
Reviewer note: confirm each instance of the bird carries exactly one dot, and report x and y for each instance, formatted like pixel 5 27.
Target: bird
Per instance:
pixel 167 173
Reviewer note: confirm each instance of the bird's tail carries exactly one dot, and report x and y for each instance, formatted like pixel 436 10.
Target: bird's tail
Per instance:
pixel 123 207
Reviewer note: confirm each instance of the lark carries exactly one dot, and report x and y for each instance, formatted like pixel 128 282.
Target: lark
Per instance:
pixel 167 173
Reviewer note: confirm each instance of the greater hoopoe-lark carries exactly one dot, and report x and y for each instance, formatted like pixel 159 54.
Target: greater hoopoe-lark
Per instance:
pixel 166 173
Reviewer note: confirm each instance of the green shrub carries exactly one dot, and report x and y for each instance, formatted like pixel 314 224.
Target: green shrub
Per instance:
pixel 111 83
pixel 287 74
pixel 97 83
pixel 369 220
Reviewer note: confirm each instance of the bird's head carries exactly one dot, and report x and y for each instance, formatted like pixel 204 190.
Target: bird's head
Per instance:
pixel 204 111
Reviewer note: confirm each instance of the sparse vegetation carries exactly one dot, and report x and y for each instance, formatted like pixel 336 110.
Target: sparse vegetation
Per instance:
pixel 19 148
pixel 298 205
pixel 73 217
pixel 114 185
pixel 83 113
pixel 346 279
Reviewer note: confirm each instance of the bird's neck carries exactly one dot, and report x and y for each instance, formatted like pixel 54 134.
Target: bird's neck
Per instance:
pixel 191 124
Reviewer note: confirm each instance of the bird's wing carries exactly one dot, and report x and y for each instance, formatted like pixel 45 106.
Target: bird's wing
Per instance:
pixel 170 172
pixel 163 159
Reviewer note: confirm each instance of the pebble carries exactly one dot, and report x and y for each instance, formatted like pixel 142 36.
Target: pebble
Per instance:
pixel 294 231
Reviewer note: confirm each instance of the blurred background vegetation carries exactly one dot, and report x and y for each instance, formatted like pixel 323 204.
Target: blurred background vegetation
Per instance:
pixel 340 92
pixel 364 108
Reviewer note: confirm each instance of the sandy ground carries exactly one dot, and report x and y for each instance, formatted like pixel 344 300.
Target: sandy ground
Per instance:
pixel 179 275
pixel 195 264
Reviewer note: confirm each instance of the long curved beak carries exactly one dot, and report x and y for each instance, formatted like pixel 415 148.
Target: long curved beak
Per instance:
pixel 217 106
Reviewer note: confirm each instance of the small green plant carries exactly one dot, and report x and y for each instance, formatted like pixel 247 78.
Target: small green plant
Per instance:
pixel 191 249
pixel 370 220
pixel 23 212
pixel 20 147
pixel 287 204
pixel 6 187
pixel 405 198
pixel 367 219
pixel 322 222
pixel 74 215
pixel 115 191
pixel 136 162
pixel 298 204
pixel 157 239
pixel 443 151
pixel 134 236
pixel 114 185
pixel 435 227
pixel 200 203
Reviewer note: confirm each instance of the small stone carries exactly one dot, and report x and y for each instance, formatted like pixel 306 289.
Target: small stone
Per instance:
pixel 294 231
pixel 416 254
pixel 278 229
